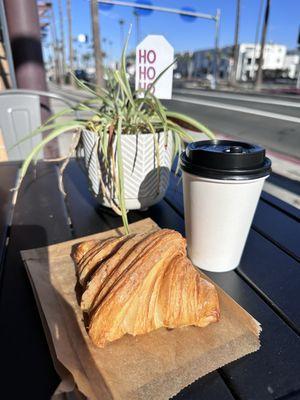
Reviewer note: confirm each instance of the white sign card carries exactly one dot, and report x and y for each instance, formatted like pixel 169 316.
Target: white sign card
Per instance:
pixel 153 55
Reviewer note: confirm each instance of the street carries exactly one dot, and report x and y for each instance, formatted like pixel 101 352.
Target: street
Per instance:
pixel 271 121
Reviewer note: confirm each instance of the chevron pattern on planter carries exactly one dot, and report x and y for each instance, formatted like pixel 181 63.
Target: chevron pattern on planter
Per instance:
pixel 143 184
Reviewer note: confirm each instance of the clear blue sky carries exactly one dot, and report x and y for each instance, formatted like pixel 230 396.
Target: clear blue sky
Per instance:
pixel 283 26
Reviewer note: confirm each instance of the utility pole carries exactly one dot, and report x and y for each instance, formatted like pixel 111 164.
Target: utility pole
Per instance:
pixel 97 43
pixel 121 22
pixel 105 51
pixel 137 26
pixel 298 77
pixel 214 81
pixel 236 42
pixel 71 52
pixel 252 71
pixel 62 38
pixel 259 76
pixel 110 43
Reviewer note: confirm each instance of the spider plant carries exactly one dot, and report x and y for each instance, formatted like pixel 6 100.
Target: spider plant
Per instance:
pixel 113 111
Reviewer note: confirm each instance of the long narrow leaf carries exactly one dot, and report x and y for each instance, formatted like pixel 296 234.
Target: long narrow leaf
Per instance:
pixel 58 115
pixel 156 79
pixel 123 61
pixel 81 84
pixel 177 128
pixel 121 194
pixel 190 121
pixel 39 146
pixel 41 129
pixel 124 88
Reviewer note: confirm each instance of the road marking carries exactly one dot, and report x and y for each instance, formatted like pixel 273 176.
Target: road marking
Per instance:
pixel 240 97
pixel 241 109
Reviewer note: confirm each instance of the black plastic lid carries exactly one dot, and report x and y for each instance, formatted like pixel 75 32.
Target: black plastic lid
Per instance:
pixel 225 159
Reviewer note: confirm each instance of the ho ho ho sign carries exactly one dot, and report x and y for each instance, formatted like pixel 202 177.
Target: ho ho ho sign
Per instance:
pixel 153 55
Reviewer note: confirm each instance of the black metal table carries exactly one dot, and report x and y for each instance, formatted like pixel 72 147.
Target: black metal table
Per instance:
pixel 267 284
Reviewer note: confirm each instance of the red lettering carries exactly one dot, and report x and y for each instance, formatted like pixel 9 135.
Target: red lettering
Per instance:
pixel 142 56
pixel 142 86
pixel 151 73
pixel 142 71
pixel 151 56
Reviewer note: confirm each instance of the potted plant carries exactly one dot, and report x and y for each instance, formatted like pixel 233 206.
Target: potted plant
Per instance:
pixel 128 142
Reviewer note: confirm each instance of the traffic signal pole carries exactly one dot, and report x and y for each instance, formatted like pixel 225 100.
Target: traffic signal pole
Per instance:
pixel 215 18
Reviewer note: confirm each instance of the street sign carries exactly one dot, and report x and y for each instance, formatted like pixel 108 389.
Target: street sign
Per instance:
pixel 143 11
pixel 153 55
pixel 188 18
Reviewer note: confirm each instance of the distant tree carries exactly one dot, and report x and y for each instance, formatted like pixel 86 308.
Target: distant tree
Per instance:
pixel 259 76
pixel 97 43
pixel 71 53
pixel 86 58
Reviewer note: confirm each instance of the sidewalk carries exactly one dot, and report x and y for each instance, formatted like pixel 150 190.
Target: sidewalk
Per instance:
pixel 243 87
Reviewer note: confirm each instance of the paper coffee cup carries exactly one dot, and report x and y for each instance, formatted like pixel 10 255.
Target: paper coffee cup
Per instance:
pixel 222 182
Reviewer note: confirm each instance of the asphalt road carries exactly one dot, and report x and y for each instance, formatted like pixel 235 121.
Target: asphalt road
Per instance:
pixel 272 121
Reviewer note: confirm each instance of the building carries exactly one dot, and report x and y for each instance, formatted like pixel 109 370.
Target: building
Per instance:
pixel 291 64
pixel 274 58
pixel 205 60
pixel 277 62
pixel 184 66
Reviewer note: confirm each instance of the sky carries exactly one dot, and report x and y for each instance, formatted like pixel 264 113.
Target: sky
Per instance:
pixel 186 35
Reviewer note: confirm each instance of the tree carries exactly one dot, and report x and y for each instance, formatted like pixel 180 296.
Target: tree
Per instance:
pixel 62 38
pixel 86 58
pixel 259 76
pixel 71 52
pixel 121 23
pixel 97 43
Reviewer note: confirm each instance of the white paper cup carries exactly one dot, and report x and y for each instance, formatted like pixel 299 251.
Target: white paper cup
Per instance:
pixel 218 215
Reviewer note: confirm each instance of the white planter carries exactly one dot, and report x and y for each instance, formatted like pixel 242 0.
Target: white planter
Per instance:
pixel 143 186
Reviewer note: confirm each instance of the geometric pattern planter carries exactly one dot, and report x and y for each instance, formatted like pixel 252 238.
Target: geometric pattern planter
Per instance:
pixel 143 185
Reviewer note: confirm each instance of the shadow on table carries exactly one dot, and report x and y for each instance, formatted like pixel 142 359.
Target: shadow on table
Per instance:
pixel 28 371
pixel 23 348
pixel 152 187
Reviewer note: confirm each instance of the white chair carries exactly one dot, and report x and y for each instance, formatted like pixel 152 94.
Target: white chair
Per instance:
pixel 20 115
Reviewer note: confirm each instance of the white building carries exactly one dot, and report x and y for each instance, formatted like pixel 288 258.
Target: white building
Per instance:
pixel 274 59
pixel 275 62
pixel 291 65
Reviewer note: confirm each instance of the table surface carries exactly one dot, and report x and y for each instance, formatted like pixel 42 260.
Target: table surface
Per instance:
pixel 267 284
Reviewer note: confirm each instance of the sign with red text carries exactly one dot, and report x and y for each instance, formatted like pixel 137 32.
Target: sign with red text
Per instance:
pixel 153 55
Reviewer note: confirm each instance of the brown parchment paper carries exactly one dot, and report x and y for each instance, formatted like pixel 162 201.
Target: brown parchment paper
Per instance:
pixel 152 366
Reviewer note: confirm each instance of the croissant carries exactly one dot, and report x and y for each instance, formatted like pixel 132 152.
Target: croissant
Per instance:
pixel 138 283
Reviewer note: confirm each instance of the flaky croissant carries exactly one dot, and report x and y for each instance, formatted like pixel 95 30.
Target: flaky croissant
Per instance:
pixel 137 283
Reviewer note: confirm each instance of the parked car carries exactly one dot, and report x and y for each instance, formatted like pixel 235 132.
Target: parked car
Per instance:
pixel 82 75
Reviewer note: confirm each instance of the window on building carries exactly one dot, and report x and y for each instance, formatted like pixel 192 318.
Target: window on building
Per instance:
pixel 249 61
